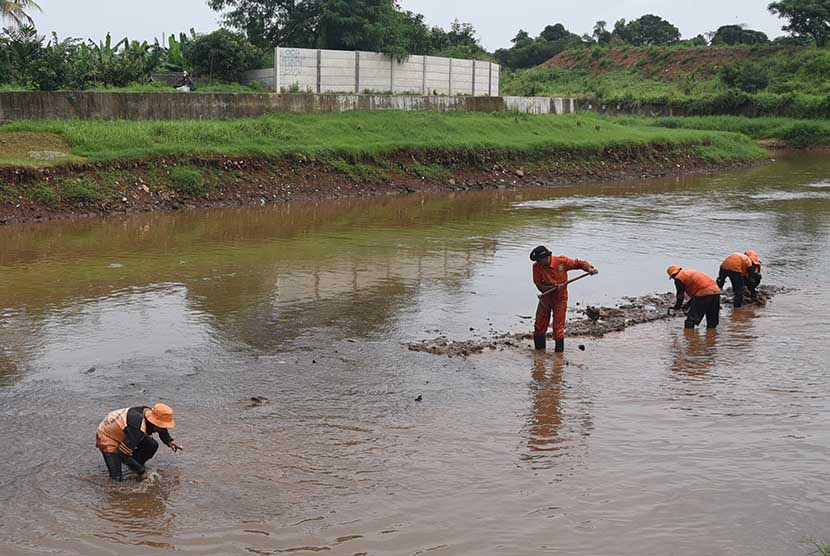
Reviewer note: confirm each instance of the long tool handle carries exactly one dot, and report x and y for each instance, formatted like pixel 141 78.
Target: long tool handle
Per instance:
pixel 560 286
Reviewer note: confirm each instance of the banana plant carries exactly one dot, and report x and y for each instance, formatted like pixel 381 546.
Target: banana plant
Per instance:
pixel 17 11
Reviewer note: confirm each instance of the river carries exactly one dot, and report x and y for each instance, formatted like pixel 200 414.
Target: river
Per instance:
pixel 651 441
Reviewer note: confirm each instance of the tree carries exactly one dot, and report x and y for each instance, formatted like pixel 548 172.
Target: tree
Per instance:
pixel 601 33
pixel 270 23
pixel 649 30
pixel 736 34
pixel 373 25
pixel 556 32
pixel 17 11
pixel 222 55
pixel 521 38
pixel 806 18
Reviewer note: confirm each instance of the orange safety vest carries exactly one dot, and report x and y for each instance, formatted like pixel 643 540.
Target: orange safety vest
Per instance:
pixel 697 283
pixel 110 435
pixel 738 262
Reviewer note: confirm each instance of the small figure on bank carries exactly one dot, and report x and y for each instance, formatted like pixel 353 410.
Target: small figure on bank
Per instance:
pixel 742 272
pixel 125 436
pixel 186 84
pixel 550 275
pixel 704 293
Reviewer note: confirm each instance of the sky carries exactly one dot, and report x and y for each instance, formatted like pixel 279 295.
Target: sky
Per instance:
pixel 496 22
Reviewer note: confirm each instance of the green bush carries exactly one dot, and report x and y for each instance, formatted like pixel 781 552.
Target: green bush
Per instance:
pixel 222 55
pixel 45 196
pixel 746 76
pixel 188 181
pixel 806 135
pixel 79 193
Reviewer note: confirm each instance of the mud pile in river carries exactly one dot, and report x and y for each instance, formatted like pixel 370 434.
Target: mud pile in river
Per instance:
pixel 594 322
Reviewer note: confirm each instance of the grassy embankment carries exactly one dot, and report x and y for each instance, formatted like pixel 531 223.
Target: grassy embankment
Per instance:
pixel 788 132
pixel 361 147
pixel 756 81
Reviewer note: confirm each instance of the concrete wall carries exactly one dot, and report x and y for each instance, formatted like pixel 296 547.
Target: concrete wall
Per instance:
pixel 340 71
pixel 216 106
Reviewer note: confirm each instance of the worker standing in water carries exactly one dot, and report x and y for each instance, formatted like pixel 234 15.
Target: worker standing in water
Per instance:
pixel 704 293
pixel 125 436
pixel 741 271
pixel 550 275
pixel 754 280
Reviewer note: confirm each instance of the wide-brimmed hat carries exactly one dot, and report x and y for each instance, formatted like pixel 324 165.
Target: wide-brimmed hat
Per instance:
pixel 161 416
pixel 540 253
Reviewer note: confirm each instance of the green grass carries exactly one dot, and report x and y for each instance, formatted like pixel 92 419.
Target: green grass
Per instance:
pixel 45 196
pixel 794 81
pixel 157 87
pixel 429 171
pixel 795 132
pixel 188 181
pixel 80 192
pixel 368 134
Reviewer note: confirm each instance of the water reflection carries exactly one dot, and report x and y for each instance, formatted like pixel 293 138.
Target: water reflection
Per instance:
pixel 694 353
pixel 137 512
pixel 544 433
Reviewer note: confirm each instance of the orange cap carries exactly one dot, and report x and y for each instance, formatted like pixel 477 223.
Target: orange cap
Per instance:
pixel 673 270
pixel 161 416
pixel 754 257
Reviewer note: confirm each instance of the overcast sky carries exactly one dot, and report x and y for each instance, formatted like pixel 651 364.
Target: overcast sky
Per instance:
pixel 496 22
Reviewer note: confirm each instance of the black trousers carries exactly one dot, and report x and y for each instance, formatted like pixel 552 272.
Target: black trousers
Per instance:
pixel 738 284
pixel 143 452
pixel 707 306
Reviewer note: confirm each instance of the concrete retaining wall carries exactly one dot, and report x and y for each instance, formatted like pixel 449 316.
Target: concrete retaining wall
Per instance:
pixel 304 70
pixel 216 106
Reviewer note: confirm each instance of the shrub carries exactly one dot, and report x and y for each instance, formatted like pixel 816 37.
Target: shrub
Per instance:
pixel 805 135
pixel 188 181
pixel 44 195
pixel 79 193
pixel 746 76
pixel 222 55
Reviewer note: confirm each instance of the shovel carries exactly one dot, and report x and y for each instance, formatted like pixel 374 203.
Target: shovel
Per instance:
pixel 560 286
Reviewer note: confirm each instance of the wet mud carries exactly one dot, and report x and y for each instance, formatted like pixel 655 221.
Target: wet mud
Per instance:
pixel 590 322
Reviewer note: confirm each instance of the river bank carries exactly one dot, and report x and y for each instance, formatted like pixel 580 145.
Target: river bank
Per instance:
pixel 66 169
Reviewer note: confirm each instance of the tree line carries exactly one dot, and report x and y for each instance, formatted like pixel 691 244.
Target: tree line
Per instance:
pixel 253 27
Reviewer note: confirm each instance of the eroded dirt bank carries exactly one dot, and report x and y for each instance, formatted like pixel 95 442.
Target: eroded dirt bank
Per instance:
pixel 591 322
pixel 156 184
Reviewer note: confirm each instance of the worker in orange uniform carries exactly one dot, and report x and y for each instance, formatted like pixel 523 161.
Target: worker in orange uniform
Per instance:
pixel 704 293
pixel 125 436
pixel 741 271
pixel 550 275
pixel 754 280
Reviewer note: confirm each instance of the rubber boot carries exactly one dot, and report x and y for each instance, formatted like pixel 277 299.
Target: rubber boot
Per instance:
pixel 540 342
pixel 560 346
pixel 689 326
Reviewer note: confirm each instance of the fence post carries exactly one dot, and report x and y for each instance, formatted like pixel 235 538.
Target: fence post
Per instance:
pixel 490 81
pixel 474 76
pixel 450 89
pixel 319 70
pixel 357 72
pixel 424 78
pixel 391 74
pixel 277 70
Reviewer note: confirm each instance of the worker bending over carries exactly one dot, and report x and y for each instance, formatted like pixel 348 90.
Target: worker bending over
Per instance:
pixel 743 272
pixel 550 275
pixel 704 293
pixel 125 436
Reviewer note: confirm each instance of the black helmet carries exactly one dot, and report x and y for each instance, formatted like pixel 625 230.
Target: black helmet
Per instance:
pixel 540 253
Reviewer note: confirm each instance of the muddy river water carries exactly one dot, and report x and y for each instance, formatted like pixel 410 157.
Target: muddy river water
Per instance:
pixel 651 441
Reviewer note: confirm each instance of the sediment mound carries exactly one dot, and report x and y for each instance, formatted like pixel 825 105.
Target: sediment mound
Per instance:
pixel 595 322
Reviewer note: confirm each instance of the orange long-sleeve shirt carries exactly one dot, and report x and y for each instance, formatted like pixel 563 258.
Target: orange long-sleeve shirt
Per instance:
pixel 557 272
